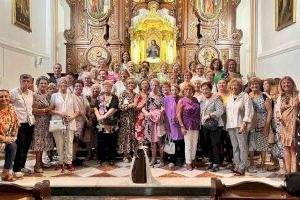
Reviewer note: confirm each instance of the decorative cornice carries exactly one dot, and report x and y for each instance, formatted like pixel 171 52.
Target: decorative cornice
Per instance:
pixel 291 46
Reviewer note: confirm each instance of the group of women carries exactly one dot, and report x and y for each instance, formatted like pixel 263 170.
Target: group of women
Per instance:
pixel 211 111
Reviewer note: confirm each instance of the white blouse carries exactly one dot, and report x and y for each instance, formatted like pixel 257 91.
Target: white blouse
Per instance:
pixel 239 110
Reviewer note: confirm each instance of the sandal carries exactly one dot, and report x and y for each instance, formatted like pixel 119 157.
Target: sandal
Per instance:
pixel 239 173
pixel 8 177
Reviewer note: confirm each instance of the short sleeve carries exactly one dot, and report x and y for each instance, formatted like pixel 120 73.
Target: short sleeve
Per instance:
pixel 114 102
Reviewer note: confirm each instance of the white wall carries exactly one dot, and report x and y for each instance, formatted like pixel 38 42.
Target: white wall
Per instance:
pixel 243 23
pixel 278 52
pixel 19 49
pixel 63 24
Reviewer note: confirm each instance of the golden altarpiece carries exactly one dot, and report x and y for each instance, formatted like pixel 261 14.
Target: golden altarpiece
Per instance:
pixel 158 31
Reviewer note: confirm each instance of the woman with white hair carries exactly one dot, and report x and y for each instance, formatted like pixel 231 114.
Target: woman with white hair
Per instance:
pixel 87 84
pixel 63 107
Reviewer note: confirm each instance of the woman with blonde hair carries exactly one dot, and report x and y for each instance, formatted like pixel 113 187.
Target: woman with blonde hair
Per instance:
pixel 239 112
pixel 287 110
pixel 188 115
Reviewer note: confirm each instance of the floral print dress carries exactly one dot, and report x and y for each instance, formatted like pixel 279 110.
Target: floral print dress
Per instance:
pixel 127 139
pixel 42 139
pixel 140 118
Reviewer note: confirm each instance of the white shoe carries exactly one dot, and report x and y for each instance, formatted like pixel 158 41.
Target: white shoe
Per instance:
pixel 171 165
pixel 18 175
pixel 26 170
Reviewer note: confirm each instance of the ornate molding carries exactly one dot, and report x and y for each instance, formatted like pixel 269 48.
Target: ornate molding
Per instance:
pixel 237 35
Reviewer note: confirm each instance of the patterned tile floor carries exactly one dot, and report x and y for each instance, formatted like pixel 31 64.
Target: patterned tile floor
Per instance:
pixel 92 174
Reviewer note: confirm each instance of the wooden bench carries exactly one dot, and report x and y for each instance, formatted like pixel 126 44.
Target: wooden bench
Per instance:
pixel 41 190
pixel 247 190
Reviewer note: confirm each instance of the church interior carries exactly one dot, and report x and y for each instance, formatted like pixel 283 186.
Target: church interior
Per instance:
pixel 261 36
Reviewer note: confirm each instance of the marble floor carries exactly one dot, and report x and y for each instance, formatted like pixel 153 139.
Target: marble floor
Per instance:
pixel 91 174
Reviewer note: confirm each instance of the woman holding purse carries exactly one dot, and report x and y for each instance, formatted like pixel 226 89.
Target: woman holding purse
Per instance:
pixel 8 134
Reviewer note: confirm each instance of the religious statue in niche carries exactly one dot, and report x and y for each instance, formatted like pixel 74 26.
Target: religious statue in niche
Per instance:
pixel 208 9
pixel 97 9
pixel 153 51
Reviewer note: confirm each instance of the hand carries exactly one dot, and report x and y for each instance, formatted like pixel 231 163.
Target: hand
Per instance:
pixel 100 119
pixel 183 130
pixel 243 128
pixel 9 140
pixel 147 114
pixel 64 114
pixel 206 117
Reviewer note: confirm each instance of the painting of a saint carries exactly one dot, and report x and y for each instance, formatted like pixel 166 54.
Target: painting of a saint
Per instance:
pixel 153 51
pixel 97 8
pixel 208 9
pixel 285 13
pixel 22 14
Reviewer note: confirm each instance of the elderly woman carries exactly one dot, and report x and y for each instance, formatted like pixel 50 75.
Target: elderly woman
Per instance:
pixel 84 109
pixel 287 110
pixel 163 76
pixel 42 139
pixel 211 112
pixel 239 112
pixel 216 67
pixel 131 70
pixel 192 67
pixel 64 107
pixel 154 127
pixel 259 135
pixel 188 116
pixel 267 84
pixel 197 86
pixel 107 117
pixel 120 84
pixel 187 76
pixel 177 70
pixel 230 69
pixel 127 105
pixel 173 126
pixel 140 101
pixel 8 134
pixel 87 84
pixel 209 76
pixel 115 71
pixel 144 75
pixel 94 75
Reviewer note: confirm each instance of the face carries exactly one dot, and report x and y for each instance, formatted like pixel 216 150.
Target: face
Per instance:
pixel 176 67
pixel 94 73
pixel 266 86
pixel 102 64
pixel 107 88
pixel 231 66
pixel 174 91
pixel 102 75
pixel 70 79
pixel 197 85
pixel 236 88
pixel 4 98
pixel 145 85
pixel 130 68
pixel 174 79
pixel 255 86
pixel 210 77
pixel 95 91
pixel 144 72
pixel 187 77
pixel 274 94
pixel 188 92
pixel 216 64
pixel 78 88
pixel 126 56
pixel 87 81
pixel 131 85
pixel 57 69
pixel 153 75
pixel 164 68
pixel 43 85
pixel 193 67
pixel 52 89
pixel 166 90
pixel 63 85
pixel 153 42
pixel 123 76
pixel 206 91
pixel 117 67
pixel 221 84
pixel 200 71
pixel 287 85
pixel 155 86
pixel 25 83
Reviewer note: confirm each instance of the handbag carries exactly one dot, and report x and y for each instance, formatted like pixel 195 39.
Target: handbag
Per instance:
pixel 211 124
pixel 57 125
pixel 292 181
pixel 169 146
